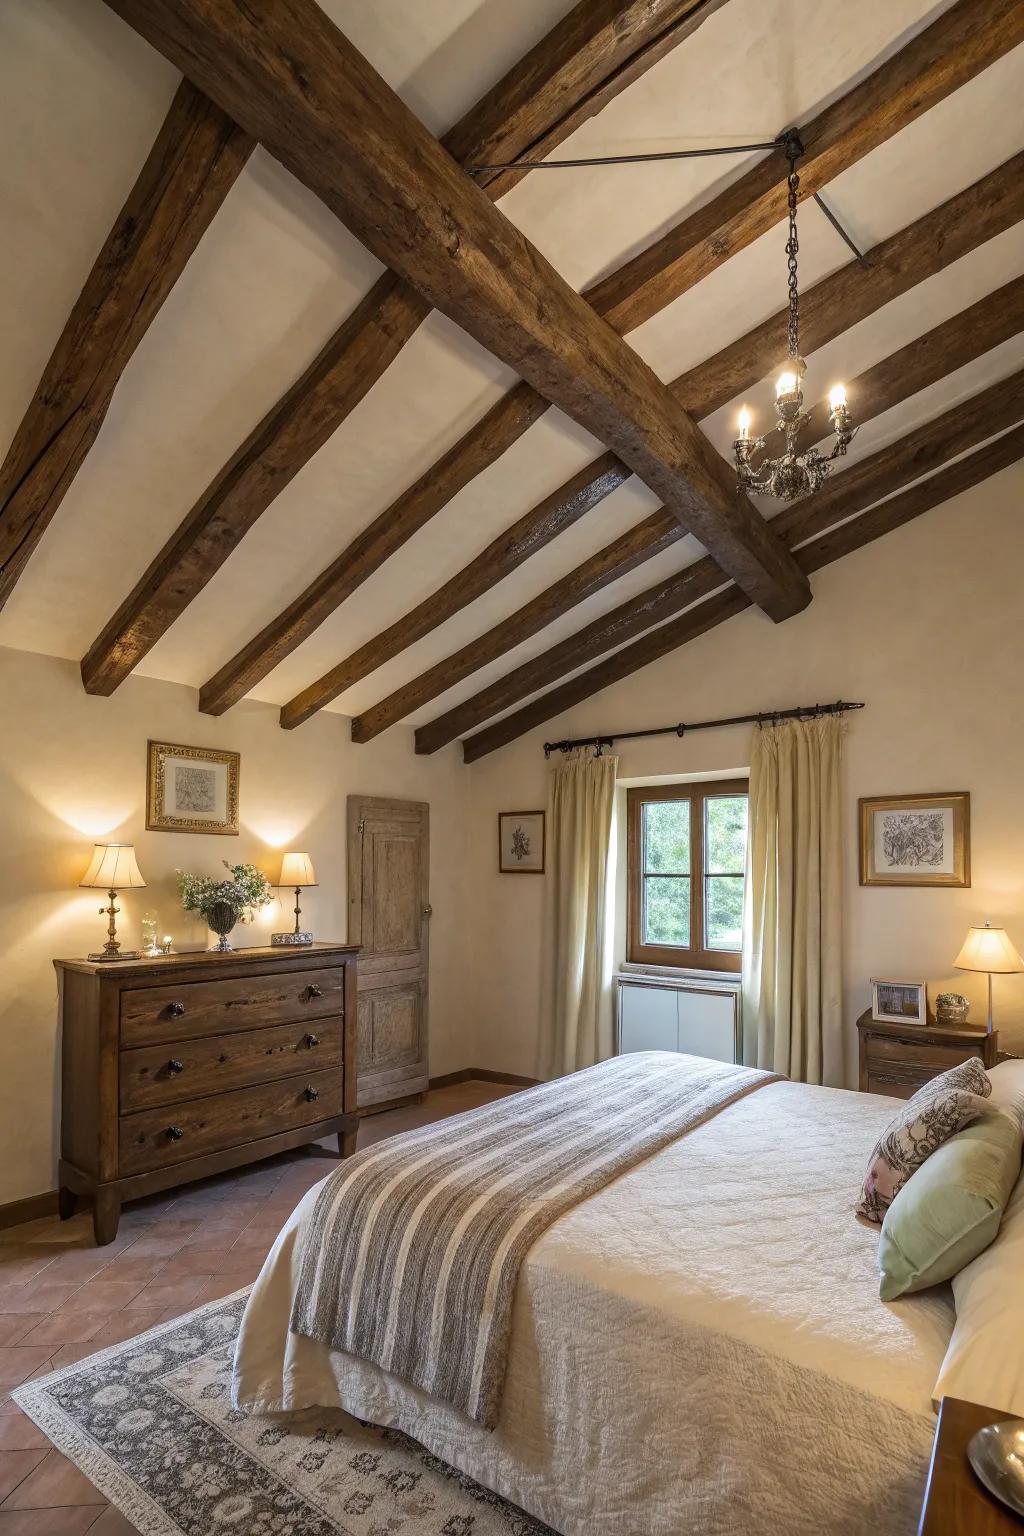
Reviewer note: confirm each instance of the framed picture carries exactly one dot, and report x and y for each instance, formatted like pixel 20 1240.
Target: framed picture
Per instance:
pixel 899 1002
pixel 916 839
pixel 191 789
pixel 521 842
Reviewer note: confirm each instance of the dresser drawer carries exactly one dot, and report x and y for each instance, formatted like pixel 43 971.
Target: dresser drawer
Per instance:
pixel 171 1012
pixel 185 1069
pixel 896 1082
pixel 158 1138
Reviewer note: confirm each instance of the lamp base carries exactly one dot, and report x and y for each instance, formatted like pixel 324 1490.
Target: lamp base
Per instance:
pixel 122 954
pixel 291 938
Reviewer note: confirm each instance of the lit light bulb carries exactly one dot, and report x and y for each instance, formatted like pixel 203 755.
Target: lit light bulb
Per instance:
pixel 745 420
pixel 785 384
pixel 837 397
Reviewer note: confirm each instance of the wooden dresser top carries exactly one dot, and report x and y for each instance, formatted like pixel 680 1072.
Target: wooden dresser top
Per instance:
pixel 158 966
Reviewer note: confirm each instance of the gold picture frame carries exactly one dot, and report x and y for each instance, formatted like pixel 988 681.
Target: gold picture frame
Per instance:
pixel 192 789
pixel 916 839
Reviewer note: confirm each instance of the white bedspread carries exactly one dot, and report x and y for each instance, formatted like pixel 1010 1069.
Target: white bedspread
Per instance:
pixel 698 1348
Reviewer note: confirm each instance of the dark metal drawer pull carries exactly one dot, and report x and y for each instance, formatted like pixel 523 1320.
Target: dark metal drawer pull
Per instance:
pixel 176 1010
pixel 313 991
pixel 312 1093
pixel 174 1065
pixel 175 1132
pixel 312 1040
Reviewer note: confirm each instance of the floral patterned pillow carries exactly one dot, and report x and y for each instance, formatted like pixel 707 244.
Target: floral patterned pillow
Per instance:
pixel 935 1113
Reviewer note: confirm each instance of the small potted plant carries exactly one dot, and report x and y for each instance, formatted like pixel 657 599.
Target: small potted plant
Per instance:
pixel 224 902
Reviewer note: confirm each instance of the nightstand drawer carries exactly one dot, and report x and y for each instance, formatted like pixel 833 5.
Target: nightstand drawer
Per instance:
pixel 183 1012
pixel 915 1054
pixel 187 1069
pixel 158 1138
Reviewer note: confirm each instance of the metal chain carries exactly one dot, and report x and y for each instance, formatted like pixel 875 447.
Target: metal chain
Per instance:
pixel 792 248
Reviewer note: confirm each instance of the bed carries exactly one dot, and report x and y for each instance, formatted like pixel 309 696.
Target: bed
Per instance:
pixel 699 1346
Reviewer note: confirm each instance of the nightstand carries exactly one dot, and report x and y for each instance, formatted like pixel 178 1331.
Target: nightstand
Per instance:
pixel 898 1059
pixel 955 1503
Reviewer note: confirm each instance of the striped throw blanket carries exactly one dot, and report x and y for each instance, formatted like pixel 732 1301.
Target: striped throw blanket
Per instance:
pixel 412 1251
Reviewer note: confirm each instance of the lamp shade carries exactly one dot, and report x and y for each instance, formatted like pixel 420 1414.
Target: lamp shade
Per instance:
pixel 113 868
pixel 988 949
pixel 297 869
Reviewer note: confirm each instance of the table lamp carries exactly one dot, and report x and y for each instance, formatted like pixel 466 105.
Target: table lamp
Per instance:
pixel 296 871
pixel 113 868
pixel 988 949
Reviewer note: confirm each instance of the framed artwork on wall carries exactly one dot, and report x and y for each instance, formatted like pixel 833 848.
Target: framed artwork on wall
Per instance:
pixel 192 789
pixel 899 1002
pixel 521 842
pixel 916 839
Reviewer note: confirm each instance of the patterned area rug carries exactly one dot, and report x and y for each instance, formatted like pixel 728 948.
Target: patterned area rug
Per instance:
pixel 150 1422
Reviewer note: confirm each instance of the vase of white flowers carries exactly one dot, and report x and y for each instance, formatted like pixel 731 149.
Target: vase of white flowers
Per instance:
pixel 224 902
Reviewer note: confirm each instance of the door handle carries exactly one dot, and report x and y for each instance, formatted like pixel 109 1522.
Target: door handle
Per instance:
pixel 427 909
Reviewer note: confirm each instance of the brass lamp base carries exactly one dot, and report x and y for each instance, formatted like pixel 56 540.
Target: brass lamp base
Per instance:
pixel 291 938
pixel 121 954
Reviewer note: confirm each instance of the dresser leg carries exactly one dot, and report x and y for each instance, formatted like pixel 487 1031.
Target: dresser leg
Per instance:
pixel 347 1143
pixel 106 1214
pixel 67 1203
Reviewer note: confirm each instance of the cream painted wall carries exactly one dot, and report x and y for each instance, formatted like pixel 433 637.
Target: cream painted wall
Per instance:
pixel 73 770
pixel 927 627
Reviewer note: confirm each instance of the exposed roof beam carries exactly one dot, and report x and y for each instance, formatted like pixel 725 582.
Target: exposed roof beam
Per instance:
pixel 841 541
pixel 963 427
pixel 192 166
pixel 964 40
pixel 591 55
pixel 928 358
pixel 831 306
pixel 511 547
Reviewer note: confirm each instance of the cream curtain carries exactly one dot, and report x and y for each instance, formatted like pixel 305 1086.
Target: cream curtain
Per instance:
pixel 576 1019
pixel 792 922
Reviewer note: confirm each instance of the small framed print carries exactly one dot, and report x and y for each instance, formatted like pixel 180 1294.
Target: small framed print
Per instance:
pixel 916 839
pixel 191 789
pixel 521 842
pixel 899 1002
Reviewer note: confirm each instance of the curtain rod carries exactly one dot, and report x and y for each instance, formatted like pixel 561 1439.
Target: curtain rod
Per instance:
pixel 801 712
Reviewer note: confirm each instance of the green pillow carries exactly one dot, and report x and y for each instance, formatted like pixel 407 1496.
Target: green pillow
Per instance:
pixel 949 1210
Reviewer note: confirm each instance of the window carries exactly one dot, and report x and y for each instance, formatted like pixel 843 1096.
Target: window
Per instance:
pixel 686 851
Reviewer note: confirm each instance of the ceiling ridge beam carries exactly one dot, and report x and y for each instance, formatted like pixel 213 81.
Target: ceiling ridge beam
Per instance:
pixel 896 264
pixel 923 361
pixel 919 452
pixel 193 164
pixel 870 525
pixel 594 52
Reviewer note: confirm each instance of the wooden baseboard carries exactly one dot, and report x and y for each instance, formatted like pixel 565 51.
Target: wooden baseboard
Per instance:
pixel 31 1209
pixel 482 1075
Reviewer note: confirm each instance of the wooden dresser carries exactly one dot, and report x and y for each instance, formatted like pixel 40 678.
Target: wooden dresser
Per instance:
pixel 898 1059
pixel 186 1065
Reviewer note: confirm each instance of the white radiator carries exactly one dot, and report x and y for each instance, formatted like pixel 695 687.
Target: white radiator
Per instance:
pixel 701 1018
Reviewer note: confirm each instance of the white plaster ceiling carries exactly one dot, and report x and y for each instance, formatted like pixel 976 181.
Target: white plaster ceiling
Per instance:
pixel 81 99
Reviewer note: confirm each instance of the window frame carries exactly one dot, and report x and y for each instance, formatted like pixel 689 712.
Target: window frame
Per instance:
pixel 697 956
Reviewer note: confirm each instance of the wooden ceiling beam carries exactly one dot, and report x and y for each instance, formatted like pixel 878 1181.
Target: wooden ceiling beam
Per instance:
pixel 862 530
pixel 192 166
pixel 961 428
pixel 657 532
pixel 923 361
pixel 591 55
pixel 305 92
pixel 964 40
pixel 851 294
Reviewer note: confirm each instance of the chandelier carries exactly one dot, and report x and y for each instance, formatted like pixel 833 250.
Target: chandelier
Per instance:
pixel 790 473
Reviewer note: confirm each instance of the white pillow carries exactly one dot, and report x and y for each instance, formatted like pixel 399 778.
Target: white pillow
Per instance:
pixel 985 1359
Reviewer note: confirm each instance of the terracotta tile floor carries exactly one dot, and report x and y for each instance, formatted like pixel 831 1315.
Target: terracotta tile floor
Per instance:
pixel 61 1298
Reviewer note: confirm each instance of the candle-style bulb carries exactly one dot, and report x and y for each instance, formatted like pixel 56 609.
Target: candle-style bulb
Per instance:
pixel 837 397
pixel 785 384
pixel 745 420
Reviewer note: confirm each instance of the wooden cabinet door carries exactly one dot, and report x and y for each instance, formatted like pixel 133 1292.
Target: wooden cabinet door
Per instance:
pixel 389 911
